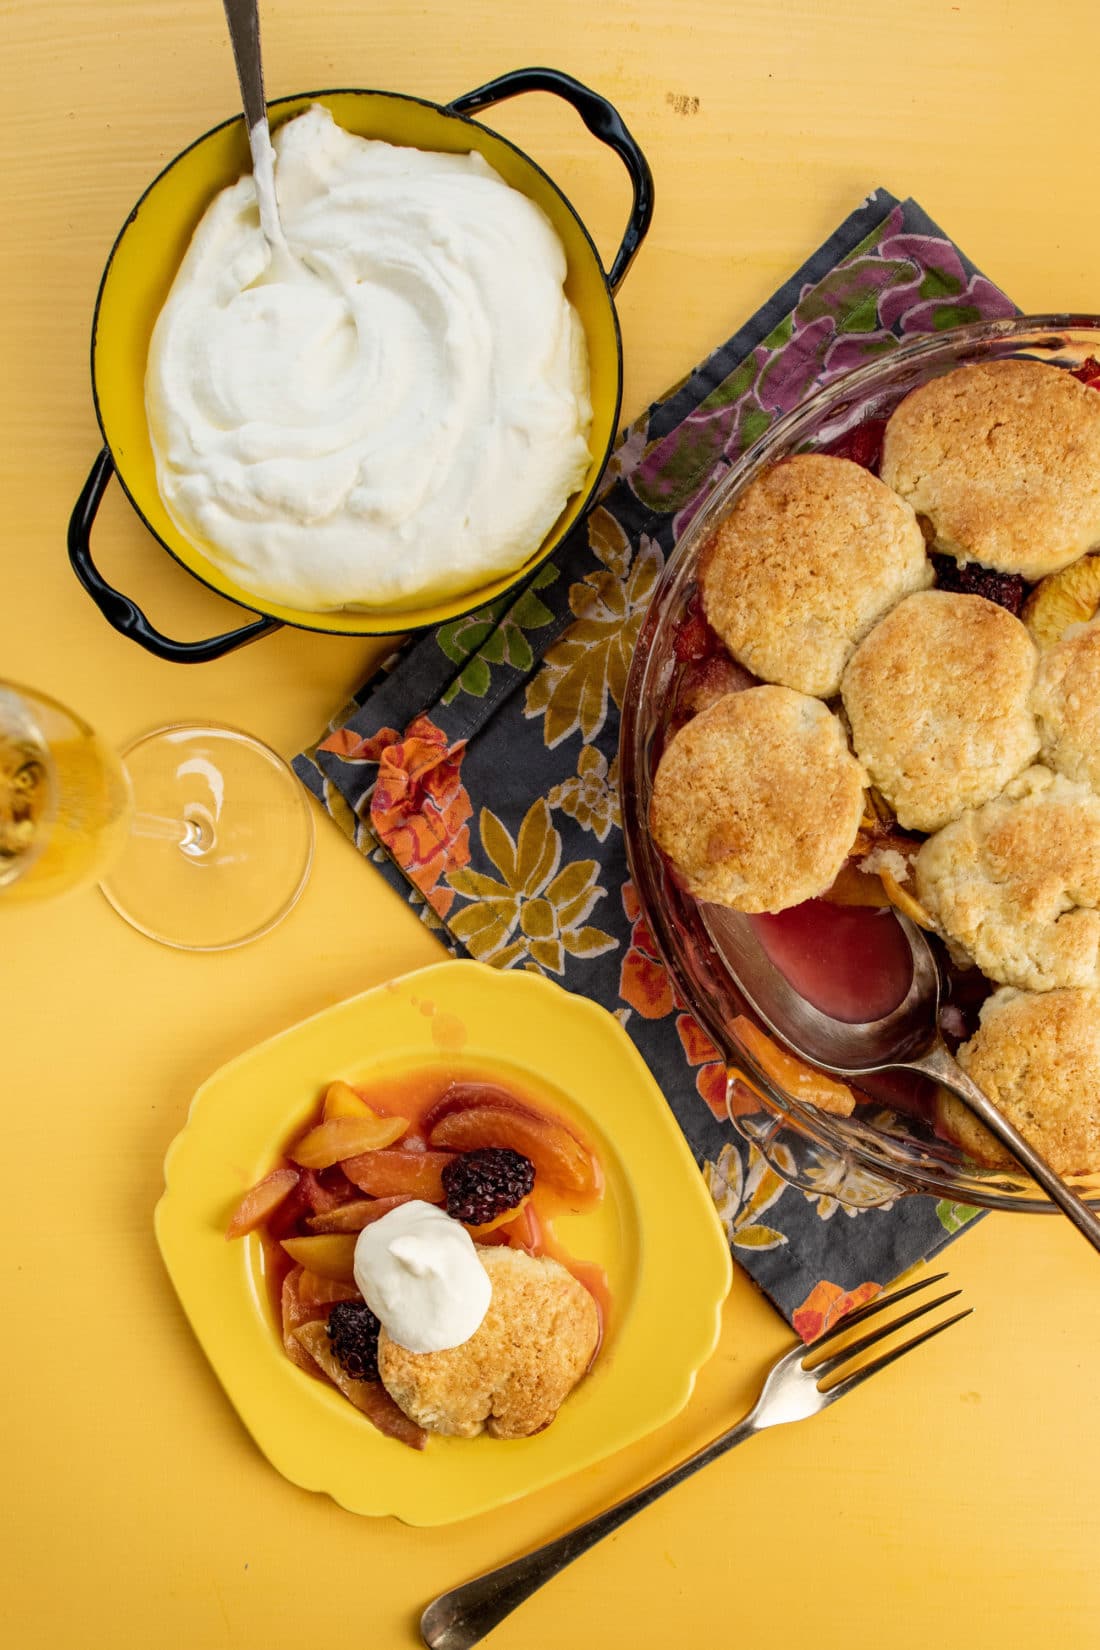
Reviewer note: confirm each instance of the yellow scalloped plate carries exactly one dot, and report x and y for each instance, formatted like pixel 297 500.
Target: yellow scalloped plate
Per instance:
pixel 655 1233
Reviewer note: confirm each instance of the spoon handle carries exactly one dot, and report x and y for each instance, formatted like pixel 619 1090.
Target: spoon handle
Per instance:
pixel 243 18
pixel 945 1069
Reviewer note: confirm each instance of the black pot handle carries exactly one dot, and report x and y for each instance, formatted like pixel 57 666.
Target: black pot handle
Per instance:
pixel 118 609
pixel 603 121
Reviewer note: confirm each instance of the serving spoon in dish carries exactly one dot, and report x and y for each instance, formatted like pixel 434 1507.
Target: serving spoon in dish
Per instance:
pixel 906 1038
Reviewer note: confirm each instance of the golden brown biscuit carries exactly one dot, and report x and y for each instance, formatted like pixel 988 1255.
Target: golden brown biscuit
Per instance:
pixel 1067 705
pixel 757 801
pixel 1003 458
pixel 813 553
pixel 938 701
pixel 1015 885
pixel 510 1378
pixel 1037 1057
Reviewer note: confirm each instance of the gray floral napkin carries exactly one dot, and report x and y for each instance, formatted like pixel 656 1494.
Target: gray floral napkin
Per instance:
pixel 477 769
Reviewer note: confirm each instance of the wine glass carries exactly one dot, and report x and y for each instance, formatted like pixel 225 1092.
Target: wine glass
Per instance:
pixel 198 834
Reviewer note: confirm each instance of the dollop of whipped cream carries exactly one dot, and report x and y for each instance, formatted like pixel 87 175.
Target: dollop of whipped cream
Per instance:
pixel 395 413
pixel 418 1271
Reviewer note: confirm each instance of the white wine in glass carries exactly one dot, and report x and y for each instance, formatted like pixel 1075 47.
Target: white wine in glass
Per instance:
pixel 198 834
pixel 64 800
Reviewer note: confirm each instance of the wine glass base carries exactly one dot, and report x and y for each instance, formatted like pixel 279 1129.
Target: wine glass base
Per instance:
pixel 221 840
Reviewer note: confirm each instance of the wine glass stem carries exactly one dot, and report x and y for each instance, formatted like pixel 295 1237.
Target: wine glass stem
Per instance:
pixel 194 836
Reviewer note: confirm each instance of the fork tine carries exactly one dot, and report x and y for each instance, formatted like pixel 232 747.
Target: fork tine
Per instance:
pixel 879 1304
pixel 861 1375
pixel 846 1353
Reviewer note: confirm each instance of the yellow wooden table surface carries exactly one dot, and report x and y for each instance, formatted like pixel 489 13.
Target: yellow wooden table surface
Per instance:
pixel 953 1501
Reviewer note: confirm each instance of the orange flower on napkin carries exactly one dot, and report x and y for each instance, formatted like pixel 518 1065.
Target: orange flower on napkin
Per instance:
pixel 643 980
pixel 710 1079
pixel 419 805
pixel 826 1304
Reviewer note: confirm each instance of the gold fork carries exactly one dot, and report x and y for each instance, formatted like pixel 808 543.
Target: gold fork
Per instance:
pixel 792 1391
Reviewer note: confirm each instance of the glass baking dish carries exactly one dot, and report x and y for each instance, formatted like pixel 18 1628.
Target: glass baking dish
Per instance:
pixel 889 1146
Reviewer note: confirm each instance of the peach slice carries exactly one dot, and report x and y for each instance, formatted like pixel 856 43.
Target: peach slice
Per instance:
pixel 525 1232
pixel 558 1156
pixel 341 1100
pixel 517 1228
pixel 905 902
pixel 505 1219
pixel 342 1137
pixel 855 887
pixel 791 1074
pixel 296 1312
pixel 259 1201
pixel 317 1194
pixel 399 1173
pixel 464 1096
pixel 283 1220
pixel 353 1217
pixel 314 1290
pixel 329 1254
pixel 369 1397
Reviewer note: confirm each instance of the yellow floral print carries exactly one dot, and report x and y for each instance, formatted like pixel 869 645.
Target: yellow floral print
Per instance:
pixel 591 659
pixel 537 909
pixel 591 797
pixel 742 1194
pixel 347 819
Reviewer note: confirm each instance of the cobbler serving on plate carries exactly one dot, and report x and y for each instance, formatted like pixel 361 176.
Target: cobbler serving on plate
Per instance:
pixel 409 1240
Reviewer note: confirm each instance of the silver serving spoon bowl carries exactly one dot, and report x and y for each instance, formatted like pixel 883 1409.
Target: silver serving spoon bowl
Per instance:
pixel 906 1039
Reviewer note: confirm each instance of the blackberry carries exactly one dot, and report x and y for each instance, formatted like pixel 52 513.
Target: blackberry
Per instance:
pixel 353 1331
pixel 483 1184
pixel 1006 589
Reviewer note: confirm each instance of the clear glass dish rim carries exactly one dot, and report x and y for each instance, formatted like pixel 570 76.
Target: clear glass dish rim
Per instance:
pixel 888 1161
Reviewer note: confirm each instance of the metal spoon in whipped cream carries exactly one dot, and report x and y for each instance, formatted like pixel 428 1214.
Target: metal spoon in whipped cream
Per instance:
pixel 243 18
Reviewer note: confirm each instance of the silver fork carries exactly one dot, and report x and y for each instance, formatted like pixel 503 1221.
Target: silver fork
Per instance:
pixel 791 1392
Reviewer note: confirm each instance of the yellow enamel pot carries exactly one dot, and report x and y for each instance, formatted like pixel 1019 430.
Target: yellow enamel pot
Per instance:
pixel 148 253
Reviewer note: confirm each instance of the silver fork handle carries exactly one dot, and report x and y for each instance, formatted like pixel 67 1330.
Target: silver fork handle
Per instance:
pixel 462 1617
pixel 945 1069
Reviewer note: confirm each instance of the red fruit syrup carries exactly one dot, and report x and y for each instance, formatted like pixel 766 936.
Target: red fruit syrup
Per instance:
pixel 851 961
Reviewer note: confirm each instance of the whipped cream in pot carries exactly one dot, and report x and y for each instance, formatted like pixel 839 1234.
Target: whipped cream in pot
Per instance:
pixel 396 413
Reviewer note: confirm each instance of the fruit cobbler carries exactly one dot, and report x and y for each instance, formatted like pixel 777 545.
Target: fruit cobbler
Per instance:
pixel 408 1236
pixel 928 592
